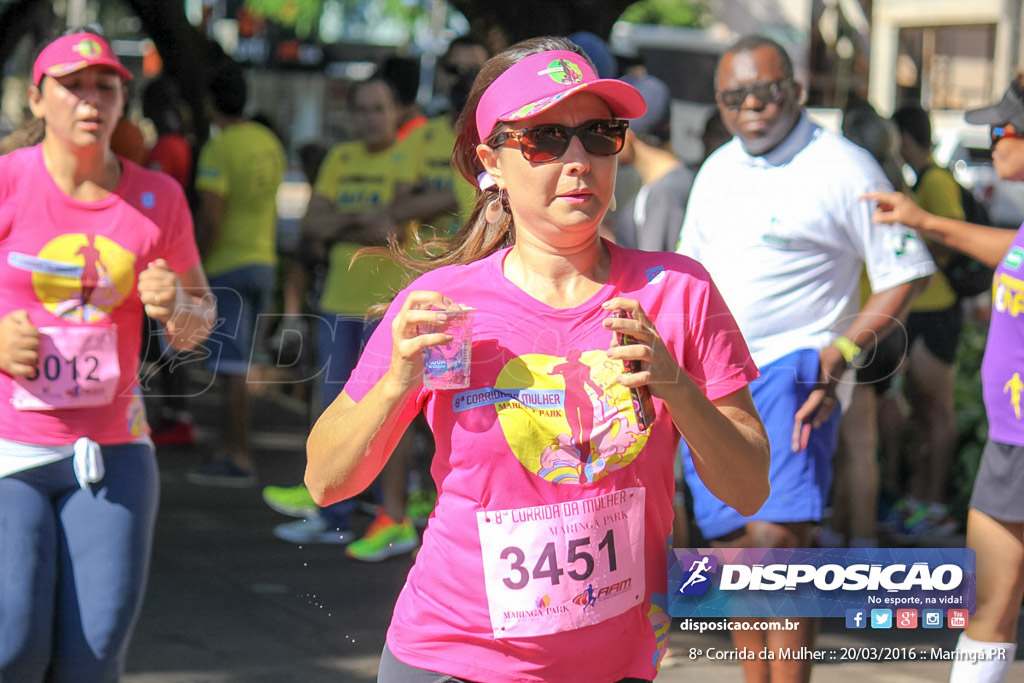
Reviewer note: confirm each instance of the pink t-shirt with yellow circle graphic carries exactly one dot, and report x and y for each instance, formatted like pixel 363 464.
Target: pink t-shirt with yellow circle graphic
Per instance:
pixel 546 556
pixel 70 263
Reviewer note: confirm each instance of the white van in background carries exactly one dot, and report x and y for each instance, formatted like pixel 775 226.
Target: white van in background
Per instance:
pixel 965 149
pixel 685 58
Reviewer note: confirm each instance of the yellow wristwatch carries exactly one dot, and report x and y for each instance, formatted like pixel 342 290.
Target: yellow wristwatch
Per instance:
pixel 847 348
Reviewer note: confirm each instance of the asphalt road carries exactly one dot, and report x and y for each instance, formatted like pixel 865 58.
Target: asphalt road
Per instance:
pixel 229 603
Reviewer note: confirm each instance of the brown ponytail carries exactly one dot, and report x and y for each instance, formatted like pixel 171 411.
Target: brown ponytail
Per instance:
pixel 29 133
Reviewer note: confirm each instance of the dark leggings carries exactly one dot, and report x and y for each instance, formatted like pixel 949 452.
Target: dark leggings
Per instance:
pixel 73 565
pixel 393 671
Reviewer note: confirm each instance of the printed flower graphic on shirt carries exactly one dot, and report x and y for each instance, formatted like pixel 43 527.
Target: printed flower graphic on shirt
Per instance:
pixel 661 622
pixel 572 423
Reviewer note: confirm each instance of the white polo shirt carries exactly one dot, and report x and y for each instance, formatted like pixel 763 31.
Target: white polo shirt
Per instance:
pixel 785 238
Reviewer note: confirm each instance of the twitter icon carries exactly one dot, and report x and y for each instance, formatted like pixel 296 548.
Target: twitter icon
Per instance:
pixel 881 618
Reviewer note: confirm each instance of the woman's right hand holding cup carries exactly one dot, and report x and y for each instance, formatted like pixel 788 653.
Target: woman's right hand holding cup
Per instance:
pixel 19 344
pixel 422 310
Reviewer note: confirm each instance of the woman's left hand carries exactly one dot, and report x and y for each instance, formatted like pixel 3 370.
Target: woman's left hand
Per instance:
pixel 159 290
pixel 657 369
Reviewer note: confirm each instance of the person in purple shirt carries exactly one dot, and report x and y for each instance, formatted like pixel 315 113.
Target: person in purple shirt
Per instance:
pixel 995 522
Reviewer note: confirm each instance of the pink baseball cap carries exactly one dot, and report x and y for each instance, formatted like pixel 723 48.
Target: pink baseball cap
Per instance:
pixel 74 52
pixel 541 81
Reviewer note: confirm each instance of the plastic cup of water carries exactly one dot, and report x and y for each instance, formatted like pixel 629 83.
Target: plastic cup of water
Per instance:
pixel 447 366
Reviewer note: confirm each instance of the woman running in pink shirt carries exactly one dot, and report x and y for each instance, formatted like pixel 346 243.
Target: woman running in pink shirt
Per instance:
pixel 546 556
pixel 87 241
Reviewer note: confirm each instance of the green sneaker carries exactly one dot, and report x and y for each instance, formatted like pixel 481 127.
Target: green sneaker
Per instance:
pixel 383 539
pixel 293 501
pixel 419 505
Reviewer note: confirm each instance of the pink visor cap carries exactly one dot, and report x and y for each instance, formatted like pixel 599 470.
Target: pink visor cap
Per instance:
pixel 72 53
pixel 543 80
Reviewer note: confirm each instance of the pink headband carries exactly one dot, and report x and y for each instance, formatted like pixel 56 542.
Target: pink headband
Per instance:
pixel 541 81
pixel 72 53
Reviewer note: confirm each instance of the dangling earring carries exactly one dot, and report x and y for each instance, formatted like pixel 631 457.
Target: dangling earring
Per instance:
pixel 495 208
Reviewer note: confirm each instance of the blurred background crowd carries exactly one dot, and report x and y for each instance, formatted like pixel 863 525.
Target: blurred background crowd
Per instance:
pixel 892 76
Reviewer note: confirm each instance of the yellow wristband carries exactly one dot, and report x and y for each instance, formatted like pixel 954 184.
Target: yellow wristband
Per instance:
pixel 847 348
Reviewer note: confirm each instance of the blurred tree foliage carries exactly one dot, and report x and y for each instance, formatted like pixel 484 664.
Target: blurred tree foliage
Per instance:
pixel 300 15
pixel 668 12
pixel 970 415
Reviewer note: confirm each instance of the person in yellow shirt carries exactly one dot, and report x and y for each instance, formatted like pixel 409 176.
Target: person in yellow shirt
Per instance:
pixel 933 333
pixel 445 198
pixel 366 192
pixel 442 201
pixel 237 177
pixel 361 198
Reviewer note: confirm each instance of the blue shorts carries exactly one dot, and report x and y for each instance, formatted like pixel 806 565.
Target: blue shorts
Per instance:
pixel 242 295
pixel 800 480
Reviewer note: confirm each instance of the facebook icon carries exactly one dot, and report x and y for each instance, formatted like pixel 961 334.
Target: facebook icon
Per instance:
pixel 856 618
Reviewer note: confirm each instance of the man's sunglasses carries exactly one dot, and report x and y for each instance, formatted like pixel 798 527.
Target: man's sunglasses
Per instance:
pixel 541 144
pixel 766 92
pixel 1004 131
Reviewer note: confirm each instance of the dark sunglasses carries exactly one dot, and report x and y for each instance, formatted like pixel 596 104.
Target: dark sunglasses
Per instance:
pixel 1004 131
pixel 767 93
pixel 541 144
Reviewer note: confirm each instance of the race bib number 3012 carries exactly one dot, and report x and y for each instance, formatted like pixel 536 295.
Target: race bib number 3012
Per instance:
pixel 78 368
pixel 563 566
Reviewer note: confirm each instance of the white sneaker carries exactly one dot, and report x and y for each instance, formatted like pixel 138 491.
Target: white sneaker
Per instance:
pixel 312 530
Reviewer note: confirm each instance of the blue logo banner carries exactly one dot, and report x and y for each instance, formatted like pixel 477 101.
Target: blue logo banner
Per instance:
pixel 553 399
pixel 818 582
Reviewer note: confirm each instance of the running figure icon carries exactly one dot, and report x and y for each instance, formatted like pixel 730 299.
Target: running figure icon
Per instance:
pixel 697 570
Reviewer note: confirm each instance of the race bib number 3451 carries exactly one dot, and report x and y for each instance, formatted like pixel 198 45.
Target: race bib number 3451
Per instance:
pixel 563 566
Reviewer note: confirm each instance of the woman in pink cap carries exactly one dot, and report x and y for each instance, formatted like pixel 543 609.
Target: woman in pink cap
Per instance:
pixel 87 241
pixel 546 556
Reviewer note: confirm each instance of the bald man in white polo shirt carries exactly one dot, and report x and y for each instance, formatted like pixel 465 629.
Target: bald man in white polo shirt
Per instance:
pixel 775 217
